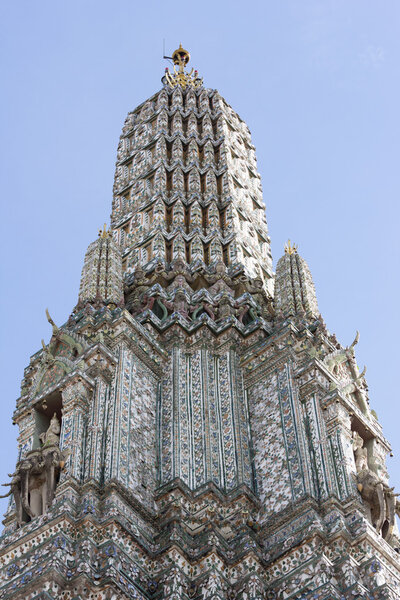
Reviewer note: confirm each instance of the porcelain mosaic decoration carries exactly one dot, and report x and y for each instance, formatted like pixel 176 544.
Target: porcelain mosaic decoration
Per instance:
pixel 193 431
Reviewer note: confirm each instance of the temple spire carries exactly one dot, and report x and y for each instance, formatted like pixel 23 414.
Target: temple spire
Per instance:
pixel 101 280
pixel 183 435
pixel 186 184
pixel 294 287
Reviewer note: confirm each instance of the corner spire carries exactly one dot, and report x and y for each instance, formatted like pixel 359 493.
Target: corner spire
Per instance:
pixel 294 287
pixel 101 281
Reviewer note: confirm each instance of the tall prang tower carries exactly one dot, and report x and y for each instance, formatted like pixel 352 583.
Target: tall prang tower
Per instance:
pixel 193 431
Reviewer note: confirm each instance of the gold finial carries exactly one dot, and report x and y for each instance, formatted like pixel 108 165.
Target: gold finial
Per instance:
pixel 290 248
pixel 103 233
pixel 180 59
pixel 181 56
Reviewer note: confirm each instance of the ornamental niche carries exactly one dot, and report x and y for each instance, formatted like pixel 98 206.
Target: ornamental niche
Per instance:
pixel 35 478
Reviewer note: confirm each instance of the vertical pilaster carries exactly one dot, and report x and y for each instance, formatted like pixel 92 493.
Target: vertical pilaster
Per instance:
pixel 204 421
pixel 26 425
pixel 131 426
pixel 292 430
pixel 340 448
pixel 77 399
pixel 97 427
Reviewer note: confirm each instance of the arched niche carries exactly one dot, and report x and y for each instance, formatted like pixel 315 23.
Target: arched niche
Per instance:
pixel 43 413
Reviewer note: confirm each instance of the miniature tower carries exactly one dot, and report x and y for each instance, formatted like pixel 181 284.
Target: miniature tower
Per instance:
pixel 193 431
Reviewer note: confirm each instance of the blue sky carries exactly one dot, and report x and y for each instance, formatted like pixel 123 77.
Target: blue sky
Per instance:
pixel 318 85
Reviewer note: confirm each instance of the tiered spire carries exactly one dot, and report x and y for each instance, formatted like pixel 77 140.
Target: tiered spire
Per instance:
pixel 199 441
pixel 101 280
pixel 294 287
pixel 186 184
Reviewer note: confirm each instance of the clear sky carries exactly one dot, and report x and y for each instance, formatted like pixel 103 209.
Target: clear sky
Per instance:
pixel 318 84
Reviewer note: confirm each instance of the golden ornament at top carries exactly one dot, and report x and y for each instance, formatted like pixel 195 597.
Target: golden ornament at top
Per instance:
pixel 180 77
pixel 290 248
pixel 181 55
pixel 103 233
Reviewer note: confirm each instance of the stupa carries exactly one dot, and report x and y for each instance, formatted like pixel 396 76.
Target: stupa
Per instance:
pixel 193 430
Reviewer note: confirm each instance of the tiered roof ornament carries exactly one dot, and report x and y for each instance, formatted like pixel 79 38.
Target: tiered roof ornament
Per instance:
pixel 180 77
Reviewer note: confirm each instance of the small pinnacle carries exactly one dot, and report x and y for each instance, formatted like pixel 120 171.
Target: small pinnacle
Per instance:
pixel 103 233
pixel 290 248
